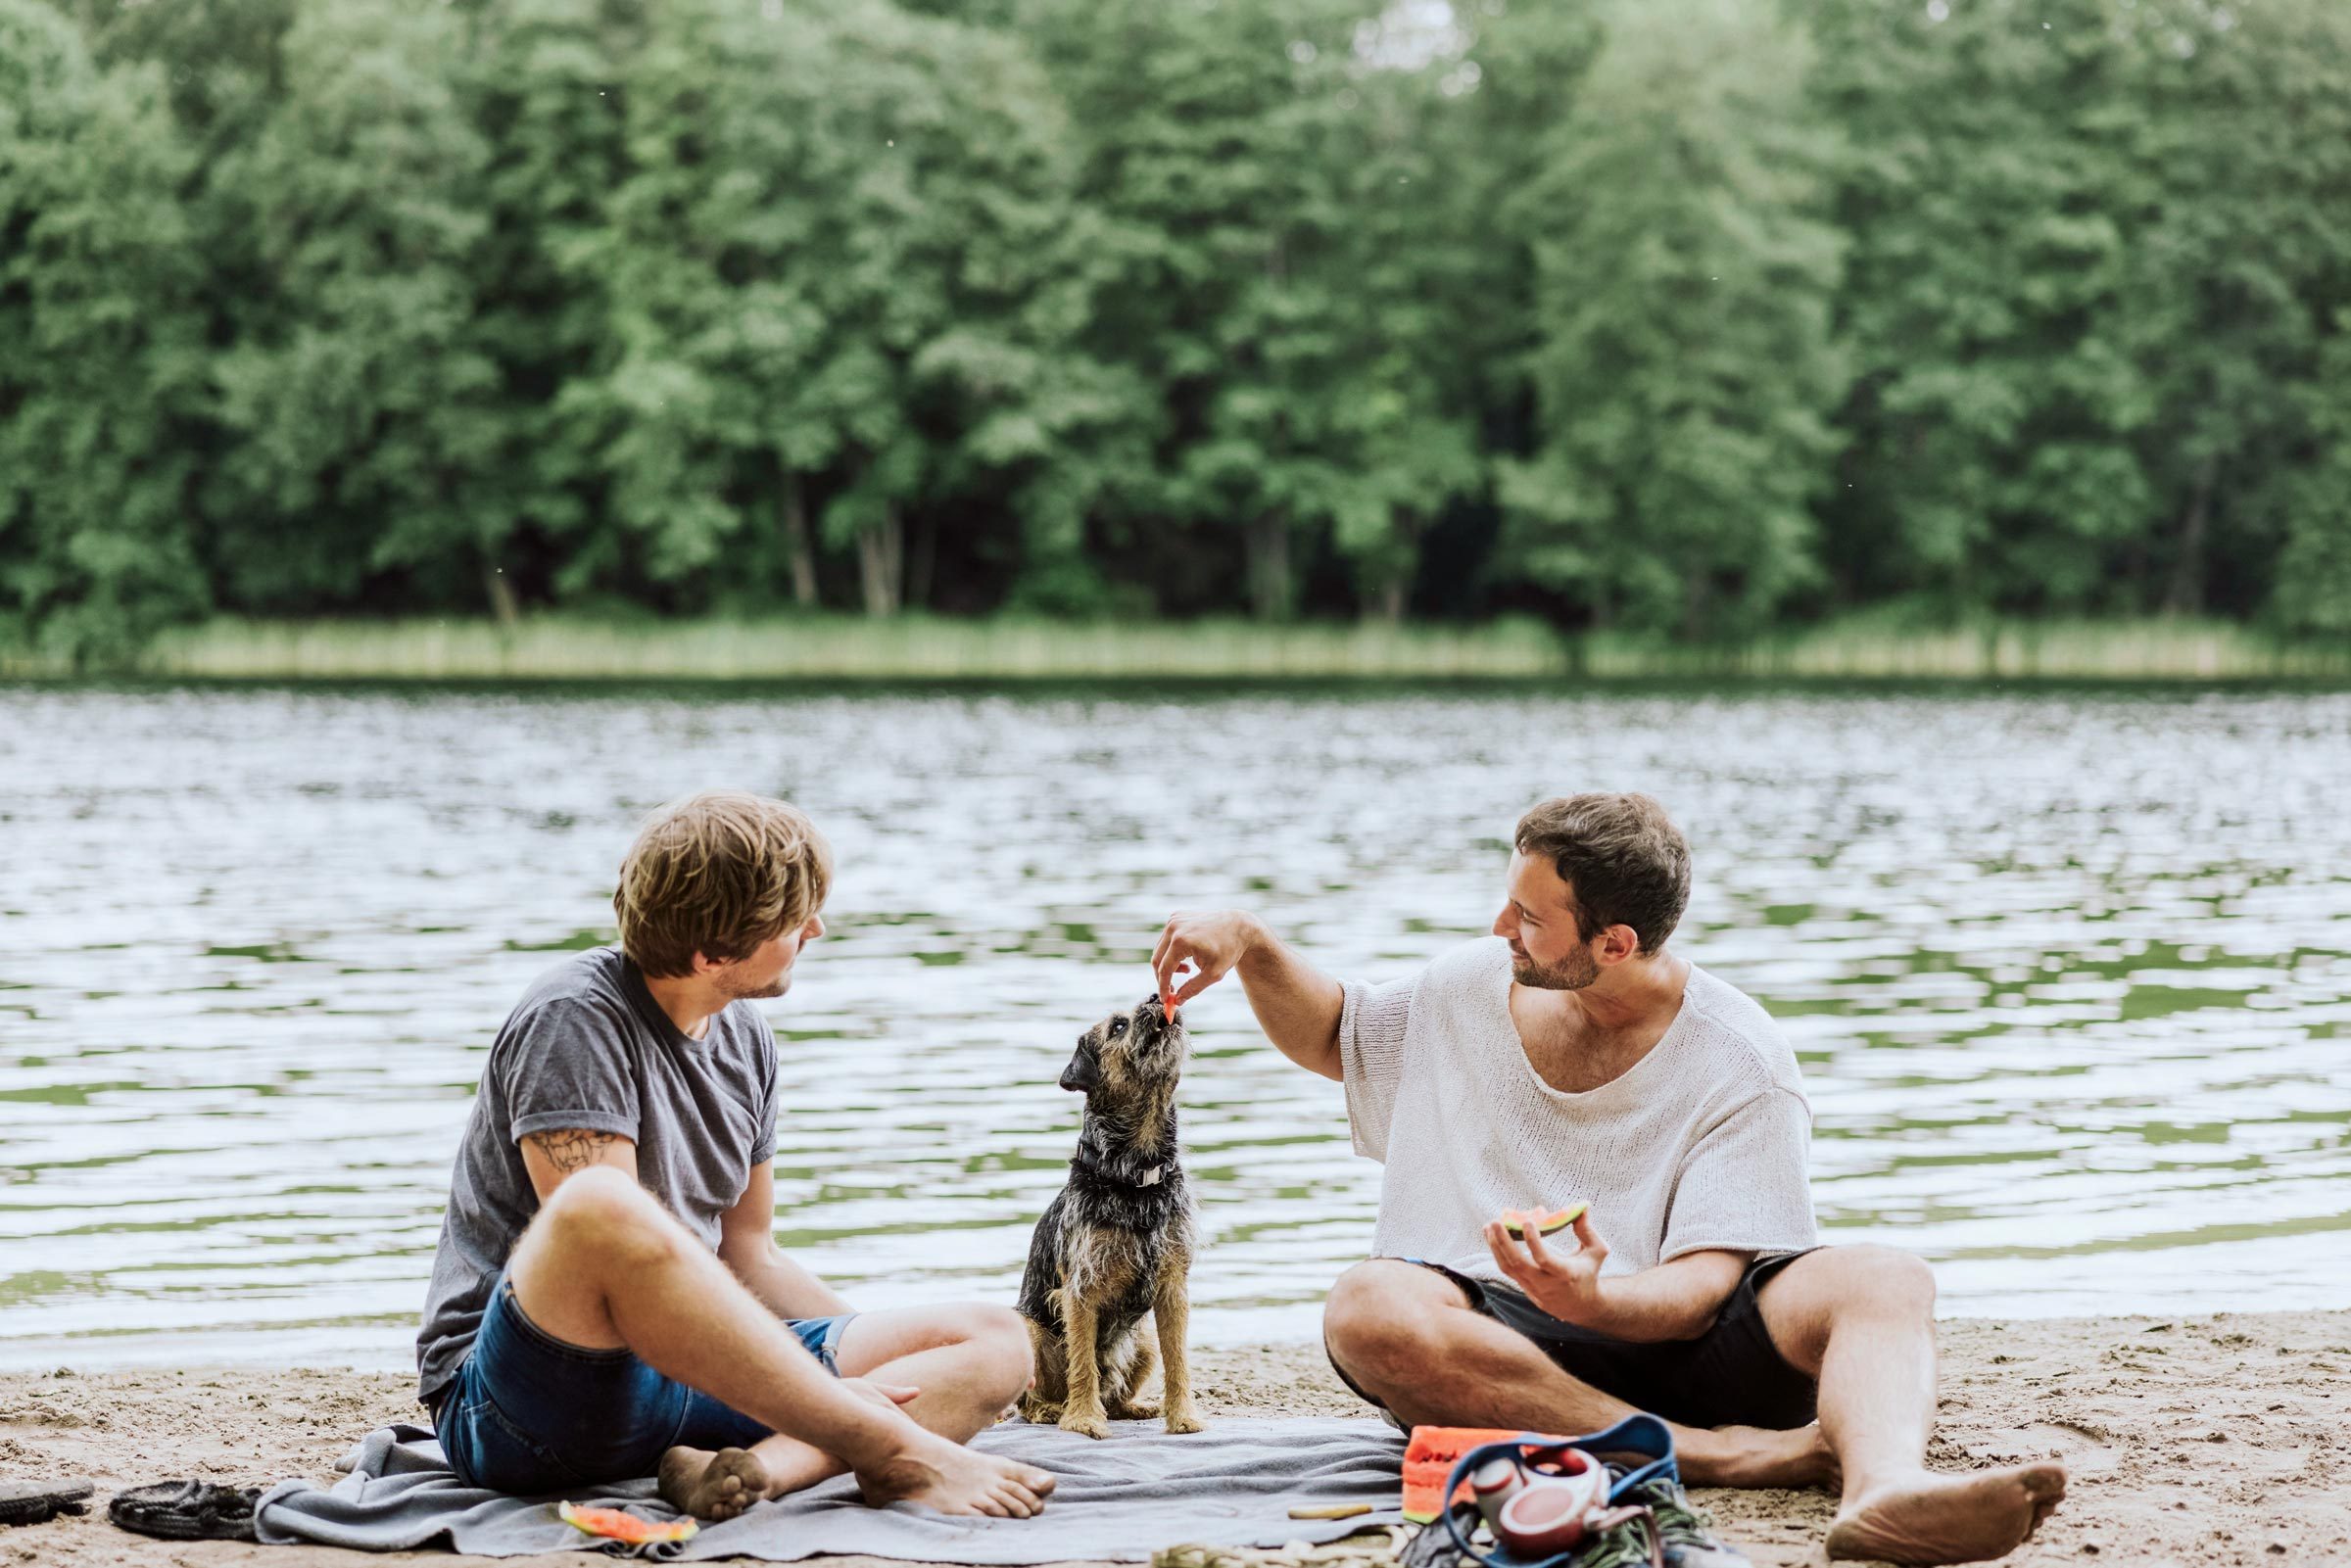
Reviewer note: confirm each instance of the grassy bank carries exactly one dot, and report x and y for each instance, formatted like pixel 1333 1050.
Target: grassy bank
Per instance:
pixel 1866 649
pixel 837 647
pixel 920 648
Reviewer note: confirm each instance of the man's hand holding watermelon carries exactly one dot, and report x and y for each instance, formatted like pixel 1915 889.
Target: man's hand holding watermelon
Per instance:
pixel 1561 1279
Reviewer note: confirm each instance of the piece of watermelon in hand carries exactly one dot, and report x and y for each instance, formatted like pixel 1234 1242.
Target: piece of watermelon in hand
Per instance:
pixel 1514 1220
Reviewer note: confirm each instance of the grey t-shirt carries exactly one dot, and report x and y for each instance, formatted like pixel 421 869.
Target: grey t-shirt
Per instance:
pixel 589 1047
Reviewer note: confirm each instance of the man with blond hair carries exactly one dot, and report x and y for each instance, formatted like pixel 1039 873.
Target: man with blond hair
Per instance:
pixel 1571 1055
pixel 608 1301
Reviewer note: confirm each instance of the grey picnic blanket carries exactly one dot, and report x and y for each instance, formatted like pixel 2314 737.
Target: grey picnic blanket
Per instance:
pixel 1118 1499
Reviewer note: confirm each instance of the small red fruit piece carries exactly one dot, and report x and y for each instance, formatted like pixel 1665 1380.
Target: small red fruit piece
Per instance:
pixel 616 1525
pixel 1514 1220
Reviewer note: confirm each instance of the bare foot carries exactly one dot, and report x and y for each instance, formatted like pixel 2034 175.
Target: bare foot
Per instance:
pixel 1949 1518
pixel 946 1476
pixel 713 1486
pixel 1759 1457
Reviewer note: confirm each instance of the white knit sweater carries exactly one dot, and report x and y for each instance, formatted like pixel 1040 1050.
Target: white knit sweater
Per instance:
pixel 1700 1143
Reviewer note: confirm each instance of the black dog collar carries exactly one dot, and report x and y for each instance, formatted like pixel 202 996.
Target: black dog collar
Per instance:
pixel 1103 1173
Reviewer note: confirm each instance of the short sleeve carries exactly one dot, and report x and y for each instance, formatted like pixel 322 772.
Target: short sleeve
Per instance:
pixel 1372 1020
pixel 1742 1187
pixel 569 1065
pixel 763 1148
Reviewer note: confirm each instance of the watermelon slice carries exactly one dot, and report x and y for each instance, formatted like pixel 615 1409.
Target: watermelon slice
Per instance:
pixel 616 1525
pixel 1514 1220
pixel 1430 1457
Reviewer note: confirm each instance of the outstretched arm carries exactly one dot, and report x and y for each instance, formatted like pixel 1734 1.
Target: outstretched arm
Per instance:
pixel 1297 1004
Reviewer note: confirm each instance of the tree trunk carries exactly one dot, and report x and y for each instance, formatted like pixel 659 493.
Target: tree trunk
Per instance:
pixel 919 561
pixel 501 597
pixel 799 543
pixel 2186 593
pixel 882 563
pixel 1270 568
pixel 1694 596
pixel 1387 599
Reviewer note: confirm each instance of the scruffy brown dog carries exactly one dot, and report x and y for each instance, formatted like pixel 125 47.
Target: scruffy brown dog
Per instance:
pixel 1116 1243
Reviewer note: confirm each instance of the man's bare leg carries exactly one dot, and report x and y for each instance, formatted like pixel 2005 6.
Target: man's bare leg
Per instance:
pixel 1861 1319
pixel 966 1362
pixel 1393 1324
pixel 602 1266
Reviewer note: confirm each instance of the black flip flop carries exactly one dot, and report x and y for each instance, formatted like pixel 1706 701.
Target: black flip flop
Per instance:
pixel 186 1510
pixel 31 1502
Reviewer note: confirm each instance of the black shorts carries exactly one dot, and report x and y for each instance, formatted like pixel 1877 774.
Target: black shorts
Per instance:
pixel 1731 1375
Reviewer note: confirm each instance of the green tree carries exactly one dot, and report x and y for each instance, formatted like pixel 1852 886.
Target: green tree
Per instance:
pixel 2312 590
pixel 541 81
pixel 2093 258
pixel 366 417
pixel 2239 126
pixel 100 345
pixel 1208 139
pixel 839 268
pixel 1403 273
pixel 1685 372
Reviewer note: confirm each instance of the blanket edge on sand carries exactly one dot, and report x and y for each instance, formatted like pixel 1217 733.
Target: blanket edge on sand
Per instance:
pixel 1117 1500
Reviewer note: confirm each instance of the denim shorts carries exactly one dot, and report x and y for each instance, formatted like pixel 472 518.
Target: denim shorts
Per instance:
pixel 529 1414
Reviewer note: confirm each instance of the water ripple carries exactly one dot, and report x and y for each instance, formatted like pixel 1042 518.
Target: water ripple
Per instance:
pixel 2069 974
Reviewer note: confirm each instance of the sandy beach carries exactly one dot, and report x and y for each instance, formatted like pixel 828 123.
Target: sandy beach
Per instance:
pixel 2219 1440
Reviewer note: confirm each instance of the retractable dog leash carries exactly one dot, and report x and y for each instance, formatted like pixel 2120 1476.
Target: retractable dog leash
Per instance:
pixel 1544 1497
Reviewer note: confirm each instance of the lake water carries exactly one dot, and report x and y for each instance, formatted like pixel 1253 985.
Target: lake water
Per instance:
pixel 2067 972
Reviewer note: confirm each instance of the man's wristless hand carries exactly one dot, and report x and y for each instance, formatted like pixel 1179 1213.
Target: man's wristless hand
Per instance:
pixel 1561 1275
pixel 1210 943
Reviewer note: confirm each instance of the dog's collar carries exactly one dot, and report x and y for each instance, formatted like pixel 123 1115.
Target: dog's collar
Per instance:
pixel 1102 1172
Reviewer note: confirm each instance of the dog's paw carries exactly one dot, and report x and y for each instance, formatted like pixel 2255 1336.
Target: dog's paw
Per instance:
pixel 1133 1412
pixel 1183 1418
pixel 1085 1423
pixel 1042 1413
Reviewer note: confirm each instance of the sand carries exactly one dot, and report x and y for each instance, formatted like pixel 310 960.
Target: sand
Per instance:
pixel 2222 1439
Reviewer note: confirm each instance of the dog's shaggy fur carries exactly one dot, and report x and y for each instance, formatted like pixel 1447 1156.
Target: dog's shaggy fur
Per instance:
pixel 1116 1243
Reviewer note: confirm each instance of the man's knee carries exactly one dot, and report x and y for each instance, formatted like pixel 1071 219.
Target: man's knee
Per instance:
pixel 1804 1303
pixel 1385 1313
pixel 999 1337
pixel 1883 1280
pixel 604 1211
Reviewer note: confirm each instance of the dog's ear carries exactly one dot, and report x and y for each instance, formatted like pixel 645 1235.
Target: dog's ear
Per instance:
pixel 1082 1075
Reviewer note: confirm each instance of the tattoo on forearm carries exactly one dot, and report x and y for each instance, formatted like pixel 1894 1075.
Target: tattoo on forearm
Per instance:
pixel 573 1148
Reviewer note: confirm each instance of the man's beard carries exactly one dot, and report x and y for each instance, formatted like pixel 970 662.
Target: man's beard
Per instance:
pixel 1572 973
pixel 738 992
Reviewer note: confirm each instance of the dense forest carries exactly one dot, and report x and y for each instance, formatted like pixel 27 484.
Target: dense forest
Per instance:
pixel 1692 318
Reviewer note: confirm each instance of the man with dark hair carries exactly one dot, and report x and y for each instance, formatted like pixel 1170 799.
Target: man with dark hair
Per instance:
pixel 608 1301
pixel 1572 1056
